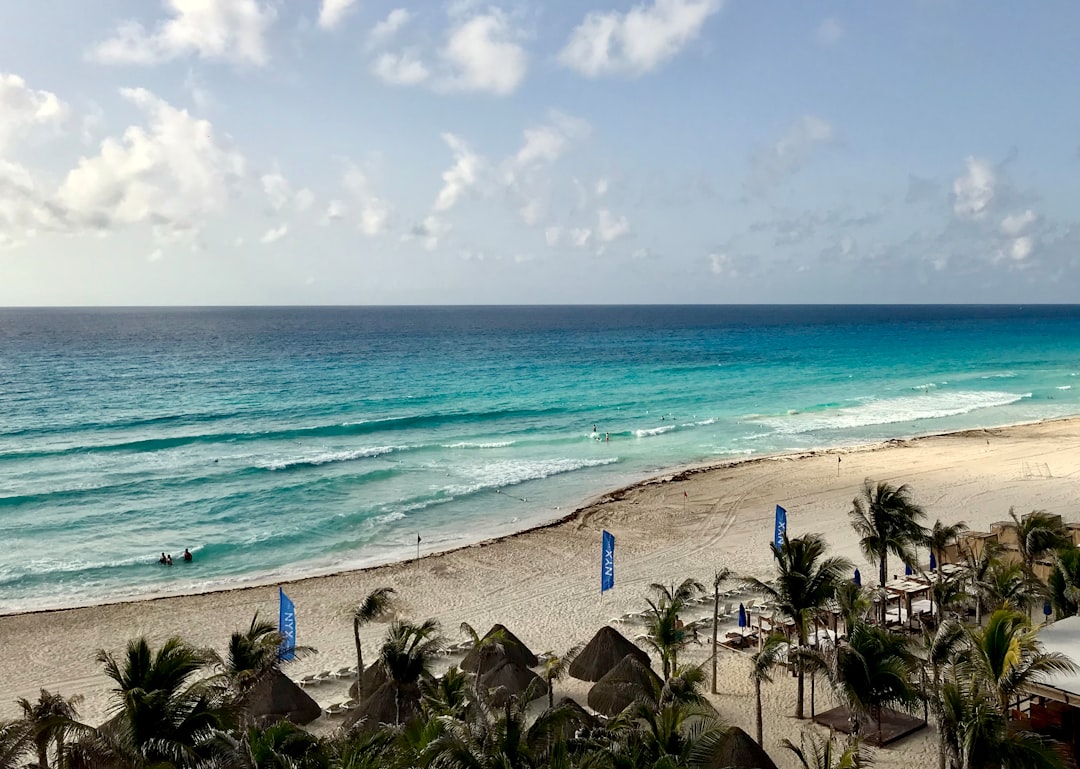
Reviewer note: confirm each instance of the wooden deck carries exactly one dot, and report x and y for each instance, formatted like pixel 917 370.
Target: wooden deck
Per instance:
pixel 894 726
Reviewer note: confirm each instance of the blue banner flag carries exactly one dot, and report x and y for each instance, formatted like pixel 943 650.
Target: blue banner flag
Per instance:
pixel 781 526
pixel 286 626
pixel 607 562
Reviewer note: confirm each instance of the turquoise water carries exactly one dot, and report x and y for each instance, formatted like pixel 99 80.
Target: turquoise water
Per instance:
pixel 281 442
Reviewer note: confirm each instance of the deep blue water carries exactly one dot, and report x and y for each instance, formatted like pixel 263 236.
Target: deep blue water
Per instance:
pixel 281 441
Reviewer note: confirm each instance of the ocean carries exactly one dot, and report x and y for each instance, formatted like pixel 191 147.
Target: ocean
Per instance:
pixel 282 442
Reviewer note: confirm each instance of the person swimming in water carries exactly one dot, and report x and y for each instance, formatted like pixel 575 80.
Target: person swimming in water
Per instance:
pixel 187 555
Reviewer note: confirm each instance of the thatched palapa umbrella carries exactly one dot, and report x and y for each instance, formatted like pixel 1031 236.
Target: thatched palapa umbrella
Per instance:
pixel 739 751
pixel 374 677
pixel 624 684
pixel 509 679
pixel 487 657
pixel 276 697
pixel 380 707
pixel 600 656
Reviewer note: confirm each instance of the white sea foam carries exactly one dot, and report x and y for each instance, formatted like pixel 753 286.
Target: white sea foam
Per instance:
pixel 328 457
pixel 497 475
pixel 1002 375
pixel 654 431
pixel 908 408
pixel 468 445
pixel 1065 387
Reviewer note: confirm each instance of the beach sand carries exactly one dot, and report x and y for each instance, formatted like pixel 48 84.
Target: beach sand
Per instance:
pixel 544 584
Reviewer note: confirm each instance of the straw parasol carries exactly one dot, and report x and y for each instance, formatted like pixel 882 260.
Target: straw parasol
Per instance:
pixel 380 708
pixel 374 677
pixel 276 697
pixel 624 684
pixel 739 751
pixel 488 657
pixel 603 653
pixel 579 719
pixel 510 679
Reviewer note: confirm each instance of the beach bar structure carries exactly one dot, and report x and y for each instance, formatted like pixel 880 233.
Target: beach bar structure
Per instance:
pixel 1053 700
pixel 1003 534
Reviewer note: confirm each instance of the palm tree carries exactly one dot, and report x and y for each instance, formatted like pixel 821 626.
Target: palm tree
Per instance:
pixel 281 745
pixel 371 608
pixel 1064 583
pixel 14 741
pixel 668 736
pixel 679 594
pixel 887 520
pixel 720 576
pixel 941 647
pixel 446 695
pixel 48 722
pixel 486 646
pixel 407 653
pixel 254 654
pixel 1006 655
pixel 557 668
pixel 852 602
pixel 1007 586
pixel 761 665
pixel 872 672
pixel 817 752
pixel 664 631
pixel 939 537
pixel 978 568
pixel 165 712
pixel 1037 534
pixel 805 582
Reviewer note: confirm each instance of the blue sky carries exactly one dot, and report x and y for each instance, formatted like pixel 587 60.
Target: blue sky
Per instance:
pixel 369 152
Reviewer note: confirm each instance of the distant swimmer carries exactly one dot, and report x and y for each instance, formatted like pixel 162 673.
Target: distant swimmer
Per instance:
pixel 163 560
pixel 187 555
pixel 607 437
pixel 594 428
pixel 168 560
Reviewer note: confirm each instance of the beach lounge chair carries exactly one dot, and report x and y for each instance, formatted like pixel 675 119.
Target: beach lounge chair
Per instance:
pixel 309 680
pixel 335 709
pixel 345 672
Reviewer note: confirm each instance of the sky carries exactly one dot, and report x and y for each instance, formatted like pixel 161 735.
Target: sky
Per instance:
pixel 293 152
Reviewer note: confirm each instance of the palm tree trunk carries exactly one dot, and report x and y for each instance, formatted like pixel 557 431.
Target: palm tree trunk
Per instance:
pixel 551 693
pixel 359 660
pixel 883 573
pixel 43 755
pixel 397 704
pixel 757 691
pixel 715 617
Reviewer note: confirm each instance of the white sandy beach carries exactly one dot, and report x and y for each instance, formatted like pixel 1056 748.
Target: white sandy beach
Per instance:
pixel 544 584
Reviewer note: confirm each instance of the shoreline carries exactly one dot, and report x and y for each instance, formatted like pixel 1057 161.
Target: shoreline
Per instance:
pixel 674 474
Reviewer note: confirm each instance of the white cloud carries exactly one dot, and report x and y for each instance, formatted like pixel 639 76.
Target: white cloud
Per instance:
pixel 173 174
pixel 1013 225
pixel 721 264
pixel 637 41
pixel 460 177
pixel 234 30
pixel 788 155
pixel 546 143
pixel 385 30
pixel 274 234
pixel 372 212
pixel 430 231
pixel 481 54
pixel 277 190
pixel 552 235
pixel 336 210
pixel 333 12
pixel 24 110
pixel 609 228
pixel 829 32
pixel 1021 248
pixel 533 211
pixel 580 236
pixel 601 187
pixel 973 191
pixel 304 200
pixel 403 68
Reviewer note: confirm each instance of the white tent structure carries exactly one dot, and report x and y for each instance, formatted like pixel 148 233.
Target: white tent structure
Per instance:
pixel 1062 636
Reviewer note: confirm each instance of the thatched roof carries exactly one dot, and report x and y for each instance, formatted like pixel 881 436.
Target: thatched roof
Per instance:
pixel 374 677
pixel 580 718
pixel 606 650
pixel 624 684
pixel 380 708
pixel 739 751
pixel 490 657
pixel 276 697
pixel 510 679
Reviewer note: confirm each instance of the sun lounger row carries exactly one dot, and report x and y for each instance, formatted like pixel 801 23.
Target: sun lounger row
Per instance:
pixel 340 708
pixel 327 675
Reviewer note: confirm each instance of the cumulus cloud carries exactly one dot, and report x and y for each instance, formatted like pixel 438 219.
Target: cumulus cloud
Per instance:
pixel 790 153
pixel 403 68
pixel 546 143
pixel 580 237
pixel 173 173
pixel 336 210
pixel 610 228
pixel 461 177
pixel 333 12
pixel 721 264
pixel 24 110
pixel 234 30
pixel 277 189
pixel 274 234
pixel 430 232
pixel 482 54
pixel 829 32
pixel 1014 224
pixel 372 212
pixel 973 191
pixel 637 41
pixel 385 30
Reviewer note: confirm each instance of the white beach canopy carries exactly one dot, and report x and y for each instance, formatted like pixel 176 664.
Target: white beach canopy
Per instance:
pixel 1064 637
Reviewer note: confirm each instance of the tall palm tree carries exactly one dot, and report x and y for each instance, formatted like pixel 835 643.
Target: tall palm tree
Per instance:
pixel 1006 655
pixel 1037 534
pixel 679 594
pixel 853 603
pixel 664 631
pixel 806 580
pixel 373 607
pixel 977 567
pixel 720 576
pixel 164 711
pixel 761 666
pixel 886 519
pixel 1064 583
pixel 939 537
pixel 15 739
pixel 49 721
pixel 1007 585
pixel 817 752
pixel 254 654
pixel 407 653
pixel 940 648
